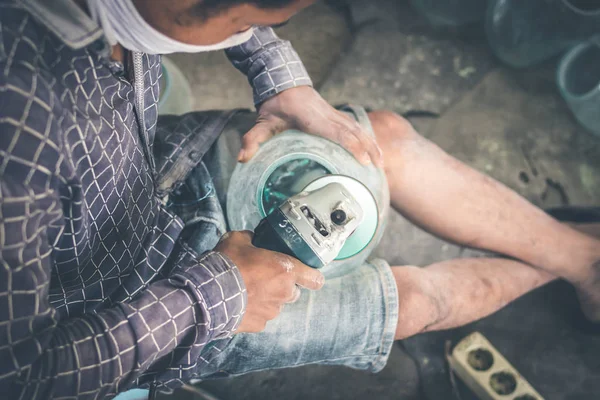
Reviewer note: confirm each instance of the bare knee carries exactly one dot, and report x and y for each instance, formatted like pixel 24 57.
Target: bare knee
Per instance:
pixel 390 128
pixel 397 139
pixel 417 307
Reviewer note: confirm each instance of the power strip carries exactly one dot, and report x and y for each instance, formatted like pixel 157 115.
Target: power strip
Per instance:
pixel 487 373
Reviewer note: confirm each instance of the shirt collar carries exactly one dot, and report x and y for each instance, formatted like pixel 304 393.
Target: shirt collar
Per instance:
pixel 66 20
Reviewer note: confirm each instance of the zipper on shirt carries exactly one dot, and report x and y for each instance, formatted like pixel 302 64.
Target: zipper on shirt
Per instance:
pixel 138 87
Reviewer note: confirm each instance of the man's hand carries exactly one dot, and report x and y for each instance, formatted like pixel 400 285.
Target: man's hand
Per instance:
pixel 272 279
pixel 304 109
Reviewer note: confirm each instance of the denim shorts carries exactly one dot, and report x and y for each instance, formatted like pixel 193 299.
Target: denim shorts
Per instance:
pixel 351 321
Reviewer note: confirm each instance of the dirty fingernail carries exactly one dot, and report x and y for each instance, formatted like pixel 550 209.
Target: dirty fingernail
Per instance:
pixel 242 155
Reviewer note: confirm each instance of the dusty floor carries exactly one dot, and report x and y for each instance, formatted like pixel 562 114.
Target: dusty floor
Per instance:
pixel 509 124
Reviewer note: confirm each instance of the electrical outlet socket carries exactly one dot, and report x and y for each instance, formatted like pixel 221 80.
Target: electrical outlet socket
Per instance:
pixel 487 373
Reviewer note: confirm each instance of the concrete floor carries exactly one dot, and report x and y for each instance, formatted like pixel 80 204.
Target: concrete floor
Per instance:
pixel 509 124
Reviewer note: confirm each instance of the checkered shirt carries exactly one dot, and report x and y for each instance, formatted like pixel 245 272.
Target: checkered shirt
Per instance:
pixel 98 291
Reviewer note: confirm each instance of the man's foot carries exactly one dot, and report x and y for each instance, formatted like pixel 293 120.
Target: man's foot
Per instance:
pixel 589 291
pixel 585 220
pixel 589 295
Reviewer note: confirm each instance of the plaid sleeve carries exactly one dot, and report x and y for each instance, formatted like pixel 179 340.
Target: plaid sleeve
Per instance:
pixel 43 355
pixel 271 64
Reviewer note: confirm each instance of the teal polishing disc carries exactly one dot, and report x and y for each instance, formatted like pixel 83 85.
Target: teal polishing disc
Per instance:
pixel 288 179
pixel 292 176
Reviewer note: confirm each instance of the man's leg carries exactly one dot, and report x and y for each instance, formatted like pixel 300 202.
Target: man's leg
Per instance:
pixel 590 229
pixel 452 200
pixel 453 293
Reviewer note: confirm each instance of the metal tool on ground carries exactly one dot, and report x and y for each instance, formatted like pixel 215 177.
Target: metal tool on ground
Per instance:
pixel 314 225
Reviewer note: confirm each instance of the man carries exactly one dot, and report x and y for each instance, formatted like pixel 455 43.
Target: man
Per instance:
pixel 111 273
